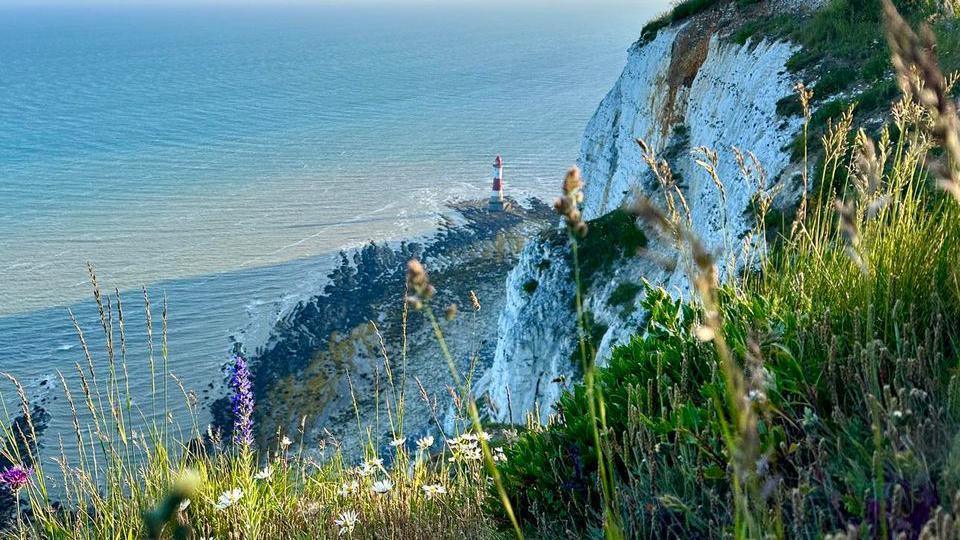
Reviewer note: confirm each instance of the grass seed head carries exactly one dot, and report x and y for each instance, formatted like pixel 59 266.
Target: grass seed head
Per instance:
pixel 568 205
pixel 419 289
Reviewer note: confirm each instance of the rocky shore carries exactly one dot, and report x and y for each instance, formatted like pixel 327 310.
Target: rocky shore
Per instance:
pixel 323 373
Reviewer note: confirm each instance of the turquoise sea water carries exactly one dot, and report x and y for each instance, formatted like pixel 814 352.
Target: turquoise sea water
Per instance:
pixel 220 156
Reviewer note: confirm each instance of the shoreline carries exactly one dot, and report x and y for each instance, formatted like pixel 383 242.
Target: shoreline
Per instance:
pixel 205 325
pixel 325 349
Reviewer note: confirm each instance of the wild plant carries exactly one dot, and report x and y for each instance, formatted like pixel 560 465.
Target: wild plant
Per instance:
pixel 144 476
pixel 568 206
pixel 420 292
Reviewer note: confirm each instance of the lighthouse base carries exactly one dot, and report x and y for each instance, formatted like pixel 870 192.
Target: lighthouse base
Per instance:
pixel 499 205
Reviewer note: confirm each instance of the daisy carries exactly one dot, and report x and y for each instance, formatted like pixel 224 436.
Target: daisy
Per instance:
pixel 396 443
pixel 285 442
pixel 264 473
pixel 425 442
pixel 472 454
pixel 347 521
pixel 433 490
pixel 370 467
pixel 349 487
pixel 382 486
pixel 228 498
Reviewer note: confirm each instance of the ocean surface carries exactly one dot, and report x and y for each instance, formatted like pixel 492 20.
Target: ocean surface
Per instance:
pixel 221 156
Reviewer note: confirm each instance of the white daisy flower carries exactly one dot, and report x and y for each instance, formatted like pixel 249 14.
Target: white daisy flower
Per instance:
pixel 228 498
pixel 396 443
pixel 425 442
pixel 285 442
pixel 472 454
pixel 347 521
pixel 264 473
pixel 348 488
pixel 382 486
pixel 370 467
pixel 433 490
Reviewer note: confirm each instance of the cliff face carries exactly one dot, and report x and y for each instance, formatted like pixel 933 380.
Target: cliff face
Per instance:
pixel 688 87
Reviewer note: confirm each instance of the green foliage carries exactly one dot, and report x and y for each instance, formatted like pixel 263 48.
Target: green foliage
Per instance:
pixel 552 469
pixel 624 296
pixel 845 48
pixel 530 286
pixel 681 11
pixel 688 8
pixel 848 350
pixel 611 237
pixel 651 29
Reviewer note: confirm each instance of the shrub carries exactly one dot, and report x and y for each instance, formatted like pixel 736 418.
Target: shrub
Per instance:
pixel 611 237
pixel 530 286
pixel 624 296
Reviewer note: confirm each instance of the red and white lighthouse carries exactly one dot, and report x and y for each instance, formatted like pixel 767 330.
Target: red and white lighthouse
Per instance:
pixel 496 196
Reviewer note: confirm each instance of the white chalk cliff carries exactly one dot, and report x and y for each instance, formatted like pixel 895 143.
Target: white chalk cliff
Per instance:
pixel 688 87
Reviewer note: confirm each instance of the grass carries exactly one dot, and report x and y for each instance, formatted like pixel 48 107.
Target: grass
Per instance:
pixel 843 47
pixel 846 356
pixel 816 393
pixel 122 482
pixel 682 10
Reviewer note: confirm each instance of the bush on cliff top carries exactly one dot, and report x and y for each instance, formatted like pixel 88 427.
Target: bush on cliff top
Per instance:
pixel 683 10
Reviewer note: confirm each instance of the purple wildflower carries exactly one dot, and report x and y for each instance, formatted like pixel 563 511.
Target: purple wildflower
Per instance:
pixel 242 402
pixel 16 477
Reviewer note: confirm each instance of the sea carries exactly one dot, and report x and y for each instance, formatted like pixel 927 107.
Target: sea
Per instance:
pixel 218 156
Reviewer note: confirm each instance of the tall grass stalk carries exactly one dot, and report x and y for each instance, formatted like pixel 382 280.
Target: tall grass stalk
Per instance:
pixel 568 207
pixel 420 292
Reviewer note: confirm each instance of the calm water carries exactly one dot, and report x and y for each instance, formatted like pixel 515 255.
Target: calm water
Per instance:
pixel 219 156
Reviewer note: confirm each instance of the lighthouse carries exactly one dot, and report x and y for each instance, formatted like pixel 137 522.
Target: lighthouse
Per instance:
pixel 496 196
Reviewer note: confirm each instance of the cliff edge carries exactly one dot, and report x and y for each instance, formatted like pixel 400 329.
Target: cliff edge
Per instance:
pixel 688 86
